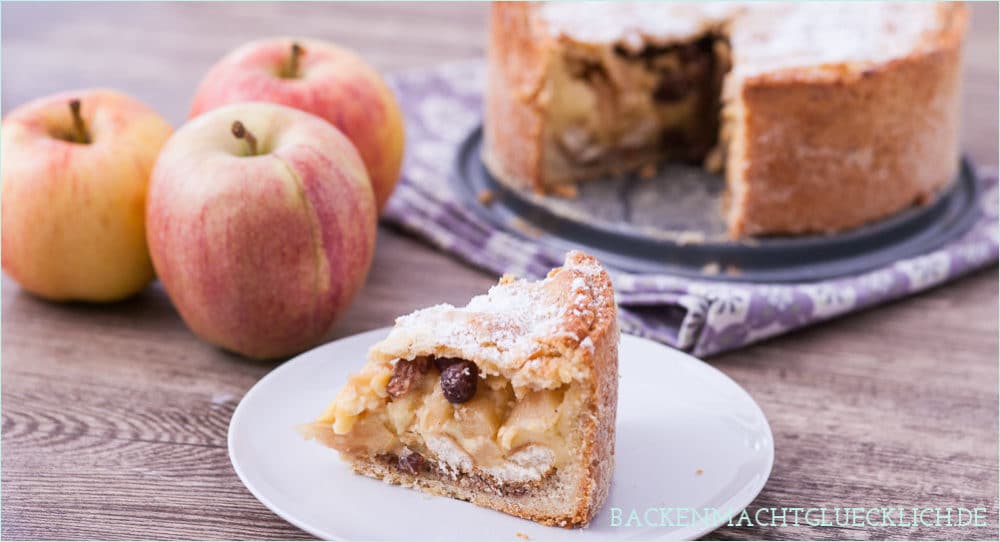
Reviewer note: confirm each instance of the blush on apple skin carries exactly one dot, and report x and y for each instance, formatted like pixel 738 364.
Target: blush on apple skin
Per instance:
pixel 261 254
pixel 73 213
pixel 333 83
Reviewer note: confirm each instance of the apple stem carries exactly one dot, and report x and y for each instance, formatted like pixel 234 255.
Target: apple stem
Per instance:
pixel 80 134
pixel 241 132
pixel 291 70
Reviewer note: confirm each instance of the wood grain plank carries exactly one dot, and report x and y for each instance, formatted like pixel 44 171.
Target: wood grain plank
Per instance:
pixel 873 410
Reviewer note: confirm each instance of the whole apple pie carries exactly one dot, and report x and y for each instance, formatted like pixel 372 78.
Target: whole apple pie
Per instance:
pixel 508 402
pixel 824 116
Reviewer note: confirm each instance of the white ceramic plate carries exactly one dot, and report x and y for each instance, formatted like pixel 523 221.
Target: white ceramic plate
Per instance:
pixel 688 438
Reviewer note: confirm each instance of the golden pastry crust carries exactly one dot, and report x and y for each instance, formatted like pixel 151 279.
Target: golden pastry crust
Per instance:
pixel 816 149
pixel 558 333
pixel 513 128
pixel 838 146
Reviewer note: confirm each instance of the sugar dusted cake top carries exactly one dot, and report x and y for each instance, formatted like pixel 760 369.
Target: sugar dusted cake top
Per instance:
pixel 631 22
pixel 519 330
pixel 765 36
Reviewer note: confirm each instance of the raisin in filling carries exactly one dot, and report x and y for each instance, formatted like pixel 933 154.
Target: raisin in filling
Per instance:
pixel 443 415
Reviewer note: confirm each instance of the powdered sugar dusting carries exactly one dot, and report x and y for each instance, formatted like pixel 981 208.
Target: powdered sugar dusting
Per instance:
pixel 504 329
pixel 776 36
pixel 765 36
pixel 630 22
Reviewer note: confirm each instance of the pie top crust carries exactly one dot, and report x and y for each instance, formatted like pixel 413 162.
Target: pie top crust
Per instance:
pixel 830 116
pixel 765 37
pixel 520 330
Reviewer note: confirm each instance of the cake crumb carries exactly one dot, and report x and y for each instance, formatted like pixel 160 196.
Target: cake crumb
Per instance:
pixel 711 268
pixel 715 160
pixel 523 536
pixel 566 191
pixel 648 172
pixel 486 197
pixel 526 227
pixel 699 472
pixel 690 237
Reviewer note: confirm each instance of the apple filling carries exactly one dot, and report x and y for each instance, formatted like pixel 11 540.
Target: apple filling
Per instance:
pixel 620 108
pixel 438 414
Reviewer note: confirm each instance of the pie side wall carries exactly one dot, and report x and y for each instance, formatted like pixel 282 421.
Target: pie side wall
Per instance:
pixel 513 128
pixel 835 148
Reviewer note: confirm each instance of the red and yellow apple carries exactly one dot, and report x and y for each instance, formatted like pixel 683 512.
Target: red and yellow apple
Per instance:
pixel 76 167
pixel 261 224
pixel 322 79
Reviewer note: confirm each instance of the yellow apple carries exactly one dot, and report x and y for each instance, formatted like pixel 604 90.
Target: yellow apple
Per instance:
pixel 75 171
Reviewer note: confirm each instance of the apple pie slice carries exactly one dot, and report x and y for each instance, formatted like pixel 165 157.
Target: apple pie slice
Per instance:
pixel 508 402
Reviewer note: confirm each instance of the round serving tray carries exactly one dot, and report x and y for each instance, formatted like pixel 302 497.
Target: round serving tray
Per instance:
pixel 671 223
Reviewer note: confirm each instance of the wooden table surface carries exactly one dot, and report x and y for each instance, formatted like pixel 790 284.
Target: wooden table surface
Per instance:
pixel 115 417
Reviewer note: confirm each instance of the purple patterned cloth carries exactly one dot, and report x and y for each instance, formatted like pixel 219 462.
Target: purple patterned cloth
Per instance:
pixel 443 105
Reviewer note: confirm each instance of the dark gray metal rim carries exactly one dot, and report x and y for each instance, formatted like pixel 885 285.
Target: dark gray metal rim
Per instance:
pixel 779 259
